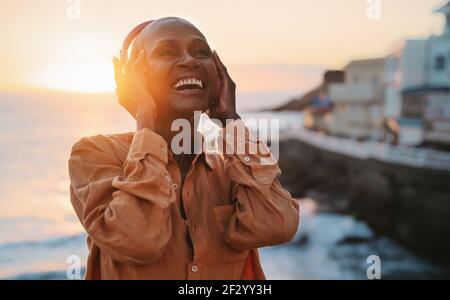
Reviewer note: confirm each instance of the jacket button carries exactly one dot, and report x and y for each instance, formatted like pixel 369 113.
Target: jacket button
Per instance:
pixel 194 268
pixel 175 186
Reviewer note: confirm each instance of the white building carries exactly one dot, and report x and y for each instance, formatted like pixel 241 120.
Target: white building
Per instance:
pixel 417 91
pixel 358 102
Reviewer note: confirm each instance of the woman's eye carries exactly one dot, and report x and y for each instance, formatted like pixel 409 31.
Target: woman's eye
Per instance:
pixel 203 53
pixel 167 52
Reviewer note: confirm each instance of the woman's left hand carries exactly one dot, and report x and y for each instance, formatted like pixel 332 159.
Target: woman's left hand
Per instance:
pixel 225 106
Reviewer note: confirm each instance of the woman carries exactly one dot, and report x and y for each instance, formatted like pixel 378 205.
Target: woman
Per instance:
pixel 153 214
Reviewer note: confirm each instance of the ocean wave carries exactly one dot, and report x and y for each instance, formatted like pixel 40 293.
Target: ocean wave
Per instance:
pixel 52 275
pixel 49 243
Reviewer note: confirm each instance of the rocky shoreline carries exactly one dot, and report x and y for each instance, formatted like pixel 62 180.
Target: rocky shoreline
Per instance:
pixel 411 205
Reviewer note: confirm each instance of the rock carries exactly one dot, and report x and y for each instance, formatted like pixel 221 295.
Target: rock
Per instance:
pixel 370 199
pixel 409 204
pixel 354 240
pixel 304 239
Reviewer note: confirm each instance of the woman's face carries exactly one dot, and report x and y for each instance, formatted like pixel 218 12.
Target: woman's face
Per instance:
pixel 180 70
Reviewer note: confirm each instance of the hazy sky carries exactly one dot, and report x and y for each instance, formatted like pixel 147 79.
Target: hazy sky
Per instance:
pixel 268 45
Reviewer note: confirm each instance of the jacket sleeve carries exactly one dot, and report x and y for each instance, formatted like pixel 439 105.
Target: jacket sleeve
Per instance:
pixel 264 212
pixel 124 207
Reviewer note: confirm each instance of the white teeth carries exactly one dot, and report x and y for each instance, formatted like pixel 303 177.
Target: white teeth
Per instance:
pixel 186 81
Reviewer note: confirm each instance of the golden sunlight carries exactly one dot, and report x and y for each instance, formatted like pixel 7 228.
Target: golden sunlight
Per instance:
pixel 77 64
pixel 92 76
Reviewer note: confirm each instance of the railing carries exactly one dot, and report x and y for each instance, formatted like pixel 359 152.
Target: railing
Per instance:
pixel 416 157
pixel 291 126
pixel 359 92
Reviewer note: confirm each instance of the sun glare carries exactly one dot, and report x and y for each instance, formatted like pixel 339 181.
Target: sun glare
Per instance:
pixel 82 76
pixel 79 64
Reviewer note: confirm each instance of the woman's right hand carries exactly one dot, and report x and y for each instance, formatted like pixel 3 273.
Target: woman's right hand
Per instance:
pixel 132 91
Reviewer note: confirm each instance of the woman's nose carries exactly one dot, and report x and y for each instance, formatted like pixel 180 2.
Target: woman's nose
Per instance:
pixel 188 61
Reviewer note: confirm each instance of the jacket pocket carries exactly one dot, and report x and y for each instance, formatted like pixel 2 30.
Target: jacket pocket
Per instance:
pixel 222 216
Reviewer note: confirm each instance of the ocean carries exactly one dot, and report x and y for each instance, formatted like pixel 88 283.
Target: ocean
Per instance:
pixel 39 230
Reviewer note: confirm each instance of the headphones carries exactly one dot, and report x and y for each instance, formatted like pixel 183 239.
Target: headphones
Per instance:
pixel 129 40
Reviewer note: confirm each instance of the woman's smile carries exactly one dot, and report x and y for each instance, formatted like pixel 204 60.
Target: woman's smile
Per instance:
pixel 190 86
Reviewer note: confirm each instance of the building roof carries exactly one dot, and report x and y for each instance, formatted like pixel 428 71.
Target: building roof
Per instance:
pixel 445 9
pixel 366 62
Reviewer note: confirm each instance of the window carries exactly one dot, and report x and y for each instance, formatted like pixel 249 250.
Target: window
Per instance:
pixel 439 63
pixel 448 67
pixel 374 80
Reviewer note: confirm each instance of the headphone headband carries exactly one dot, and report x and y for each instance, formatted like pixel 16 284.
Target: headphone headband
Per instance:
pixel 129 39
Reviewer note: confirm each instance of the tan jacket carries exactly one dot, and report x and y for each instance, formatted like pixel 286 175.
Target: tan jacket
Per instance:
pixel 125 189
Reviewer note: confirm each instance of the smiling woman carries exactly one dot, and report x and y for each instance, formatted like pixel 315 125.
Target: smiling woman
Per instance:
pixel 153 212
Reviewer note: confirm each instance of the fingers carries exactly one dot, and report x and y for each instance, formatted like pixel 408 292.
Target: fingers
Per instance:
pixel 227 82
pixel 140 59
pixel 117 70
pixel 138 66
pixel 134 63
pixel 220 66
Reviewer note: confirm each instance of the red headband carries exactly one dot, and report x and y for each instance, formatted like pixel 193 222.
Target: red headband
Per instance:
pixel 129 39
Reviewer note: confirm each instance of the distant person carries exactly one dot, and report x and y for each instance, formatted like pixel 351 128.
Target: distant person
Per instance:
pixel 391 130
pixel 153 214
pixel 322 103
pixel 320 109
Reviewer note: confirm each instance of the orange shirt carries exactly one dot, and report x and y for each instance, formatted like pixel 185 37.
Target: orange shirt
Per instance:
pixel 126 191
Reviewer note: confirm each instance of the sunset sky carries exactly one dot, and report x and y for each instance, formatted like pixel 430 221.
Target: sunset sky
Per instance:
pixel 268 45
